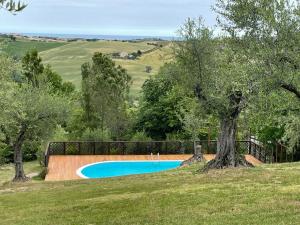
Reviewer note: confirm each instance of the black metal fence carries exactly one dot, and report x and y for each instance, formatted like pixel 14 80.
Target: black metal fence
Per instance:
pixel 254 148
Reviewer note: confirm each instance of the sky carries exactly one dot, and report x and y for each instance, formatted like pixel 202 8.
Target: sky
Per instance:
pixel 106 17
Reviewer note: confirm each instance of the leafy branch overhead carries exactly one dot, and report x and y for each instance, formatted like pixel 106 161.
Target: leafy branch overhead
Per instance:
pixel 12 6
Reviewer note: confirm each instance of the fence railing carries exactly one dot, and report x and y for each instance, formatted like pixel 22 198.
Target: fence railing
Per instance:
pixel 256 149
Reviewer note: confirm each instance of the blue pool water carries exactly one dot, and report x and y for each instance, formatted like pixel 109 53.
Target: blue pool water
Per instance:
pixel 123 168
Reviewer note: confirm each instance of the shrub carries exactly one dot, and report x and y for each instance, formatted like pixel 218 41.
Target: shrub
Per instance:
pixel 6 154
pixel 96 135
pixel 140 136
pixel 30 150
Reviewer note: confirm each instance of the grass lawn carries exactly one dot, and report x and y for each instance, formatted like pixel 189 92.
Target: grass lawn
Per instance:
pixel 269 194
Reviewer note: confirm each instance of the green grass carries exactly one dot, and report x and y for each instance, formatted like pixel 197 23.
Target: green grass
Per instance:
pixel 67 59
pixel 20 47
pixel 264 195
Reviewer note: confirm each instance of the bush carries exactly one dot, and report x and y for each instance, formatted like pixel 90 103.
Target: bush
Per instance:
pixel 30 150
pixel 6 154
pixel 140 136
pixel 96 135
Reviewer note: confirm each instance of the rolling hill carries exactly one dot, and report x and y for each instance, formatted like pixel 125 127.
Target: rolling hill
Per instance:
pixel 67 59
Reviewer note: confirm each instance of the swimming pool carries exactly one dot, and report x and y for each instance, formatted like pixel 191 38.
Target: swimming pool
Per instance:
pixel 124 168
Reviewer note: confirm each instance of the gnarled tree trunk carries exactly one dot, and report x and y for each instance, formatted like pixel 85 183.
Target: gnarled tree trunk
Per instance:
pixel 18 156
pixel 227 155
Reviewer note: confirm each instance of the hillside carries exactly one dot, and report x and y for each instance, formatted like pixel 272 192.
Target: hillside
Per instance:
pixel 67 59
pixel 19 47
pixel 267 195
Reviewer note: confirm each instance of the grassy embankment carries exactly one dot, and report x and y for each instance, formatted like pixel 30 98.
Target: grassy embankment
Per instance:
pixel 269 194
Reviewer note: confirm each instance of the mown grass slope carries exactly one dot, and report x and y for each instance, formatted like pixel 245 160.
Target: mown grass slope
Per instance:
pixel 269 194
pixel 67 59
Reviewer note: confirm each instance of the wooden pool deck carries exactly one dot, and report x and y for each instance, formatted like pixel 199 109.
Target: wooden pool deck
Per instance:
pixel 64 167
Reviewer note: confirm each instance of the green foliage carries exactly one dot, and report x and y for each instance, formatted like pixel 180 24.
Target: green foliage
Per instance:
pixel 12 5
pixel 161 105
pixel 140 136
pixel 105 88
pixel 267 32
pixel 32 110
pixel 6 154
pixel 35 73
pixel 96 135
pixel 32 67
pixel 56 82
pixel 31 148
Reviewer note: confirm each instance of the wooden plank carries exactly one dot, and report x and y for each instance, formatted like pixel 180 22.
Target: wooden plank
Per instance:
pixel 64 167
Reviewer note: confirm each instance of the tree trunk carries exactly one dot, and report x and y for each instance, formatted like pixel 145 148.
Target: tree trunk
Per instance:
pixel 227 155
pixel 18 156
pixel 197 157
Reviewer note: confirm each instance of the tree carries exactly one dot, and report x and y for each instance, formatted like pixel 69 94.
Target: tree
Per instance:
pixel 162 104
pixel 56 82
pixel 32 67
pixel 105 88
pixel 35 114
pixel 12 5
pixel 29 112
pixel 35 73
pixel 223 82
pixel 268 33
pixel 148 69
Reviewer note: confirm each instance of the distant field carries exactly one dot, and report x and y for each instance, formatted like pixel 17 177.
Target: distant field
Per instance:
pixel 20 47
pixel 67 59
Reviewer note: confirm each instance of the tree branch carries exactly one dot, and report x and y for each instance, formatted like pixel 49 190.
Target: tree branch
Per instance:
pixel 291 88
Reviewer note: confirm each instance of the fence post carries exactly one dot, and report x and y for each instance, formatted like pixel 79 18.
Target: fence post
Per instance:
pixel 79 148
pixel 137 146
pixel 94 150
pixel 64 147
pixel 281 156
pixel 249 148
pixel 108 147
pixel 166 147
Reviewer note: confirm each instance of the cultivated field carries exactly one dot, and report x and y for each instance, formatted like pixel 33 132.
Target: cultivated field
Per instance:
pixel 19 47
pixel 267 195
pixel 67 59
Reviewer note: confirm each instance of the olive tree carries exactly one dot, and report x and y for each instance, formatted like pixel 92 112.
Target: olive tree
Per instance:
pixel 12 5
pixel 28 112
pixel 223 82
pixel 32 113
pixel 268 33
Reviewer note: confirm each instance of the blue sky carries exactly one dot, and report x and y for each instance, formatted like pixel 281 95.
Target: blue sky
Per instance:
pixel 110 17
